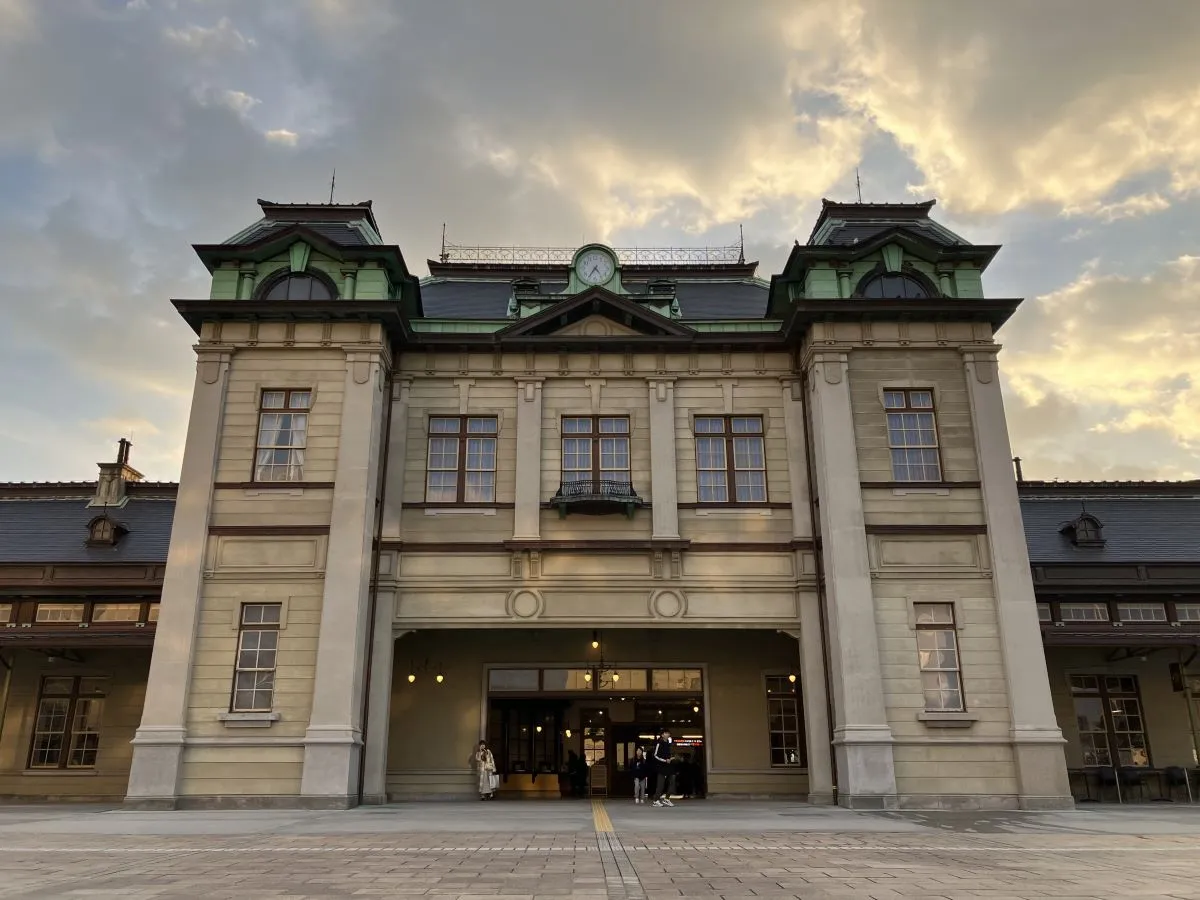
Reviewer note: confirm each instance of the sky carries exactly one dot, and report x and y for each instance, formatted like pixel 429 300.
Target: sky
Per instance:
pixel 1069 132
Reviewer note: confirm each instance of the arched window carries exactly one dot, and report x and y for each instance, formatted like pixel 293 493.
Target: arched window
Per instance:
pixel 103 531
pixel 298 286
pixel 893 286
pixel 1085 531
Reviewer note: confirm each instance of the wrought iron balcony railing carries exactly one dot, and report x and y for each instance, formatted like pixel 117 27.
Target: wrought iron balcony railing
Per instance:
pixel 596 496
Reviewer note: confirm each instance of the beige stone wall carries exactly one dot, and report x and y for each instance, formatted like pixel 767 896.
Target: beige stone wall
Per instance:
pixel 434 728
pixel 126 670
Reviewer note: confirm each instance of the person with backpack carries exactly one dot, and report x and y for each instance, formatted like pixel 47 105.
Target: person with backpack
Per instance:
pixel 664 769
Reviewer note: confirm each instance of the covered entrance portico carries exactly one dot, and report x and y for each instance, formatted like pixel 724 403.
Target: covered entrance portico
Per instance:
pixel 565 710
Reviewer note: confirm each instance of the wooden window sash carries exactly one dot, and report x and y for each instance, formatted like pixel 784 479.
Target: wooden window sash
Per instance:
pixel 729 439
pixel 286 408
pixel 463 436
pixel 908 407
pixel 596 437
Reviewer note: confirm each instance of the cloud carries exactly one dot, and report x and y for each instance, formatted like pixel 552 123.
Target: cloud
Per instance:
pixel 238 102
pixel 1130 207
pixel 282 136
pixel 217 39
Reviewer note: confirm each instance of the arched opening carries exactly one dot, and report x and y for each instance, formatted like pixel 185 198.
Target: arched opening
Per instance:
pixel 893 286
pixel 298 286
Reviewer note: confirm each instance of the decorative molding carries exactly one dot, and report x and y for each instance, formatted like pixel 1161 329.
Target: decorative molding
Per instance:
pixel 926 529
pixel 595 385
pixel 916 485
pixel 668 604
pixel 525 603
pixel 464 393
pixel 270 530
pixel 271 486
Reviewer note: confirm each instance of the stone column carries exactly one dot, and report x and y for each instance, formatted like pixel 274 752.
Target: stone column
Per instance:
pixel 664 478
pixel 862 737
pixel 1037 739
pixel 797 452
pixel 527 516
pixel 349 277
pixel 397 458
pixel 814 698
pixel 333 740
pixel 158 743
pixel 379 707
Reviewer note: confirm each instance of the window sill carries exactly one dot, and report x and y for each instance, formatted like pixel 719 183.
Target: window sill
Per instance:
pixel 60 773
pixel 948 719
pixel 248 719
pixel 735 512
pixel 460 510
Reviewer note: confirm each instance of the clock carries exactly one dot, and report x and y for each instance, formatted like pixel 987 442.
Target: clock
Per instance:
pixel 595 267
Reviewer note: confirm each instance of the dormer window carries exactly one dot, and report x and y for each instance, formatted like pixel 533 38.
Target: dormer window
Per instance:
pixel 1085 531
pixel 526 286
pixel 104 532
pixel 893 286
pixel 298 286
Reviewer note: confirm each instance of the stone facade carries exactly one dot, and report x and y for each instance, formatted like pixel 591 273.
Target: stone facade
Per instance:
pixel 783 512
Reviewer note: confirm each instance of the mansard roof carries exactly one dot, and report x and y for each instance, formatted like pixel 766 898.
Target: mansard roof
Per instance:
pixel 55 530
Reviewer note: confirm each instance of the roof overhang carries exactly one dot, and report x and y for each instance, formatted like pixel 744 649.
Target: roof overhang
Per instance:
pixel 933 309
pixel 389 313
pixel 803 256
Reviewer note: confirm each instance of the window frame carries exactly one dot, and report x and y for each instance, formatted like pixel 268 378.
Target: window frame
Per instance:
pixel 729 438
pixel 287 408
pixel 285 275
pixel 1106 697
pixel 260 627
pixel 596 436
pixel 463 435
pixel 909 409
pixel 74 697
pixel 950 627
pixel 876 276
pixel 789 693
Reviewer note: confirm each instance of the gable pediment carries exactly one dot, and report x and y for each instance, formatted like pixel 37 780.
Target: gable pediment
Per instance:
pixel 597 313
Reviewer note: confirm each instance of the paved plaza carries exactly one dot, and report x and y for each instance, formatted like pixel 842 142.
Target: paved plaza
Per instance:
pixel 598 851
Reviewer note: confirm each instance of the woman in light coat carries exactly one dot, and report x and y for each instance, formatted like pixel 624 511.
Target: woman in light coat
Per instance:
pixel 485 765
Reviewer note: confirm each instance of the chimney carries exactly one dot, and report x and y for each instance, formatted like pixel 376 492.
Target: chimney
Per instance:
pixel 110 488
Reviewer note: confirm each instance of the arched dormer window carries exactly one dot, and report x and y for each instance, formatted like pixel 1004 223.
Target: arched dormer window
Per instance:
pixel 893 286
pixel 1085 531
pixel 298 286
pixel 104 532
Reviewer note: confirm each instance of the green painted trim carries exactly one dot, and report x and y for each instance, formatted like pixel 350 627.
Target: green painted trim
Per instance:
pixel 459 326
pixel 298 255
pixel 893 257
pixel 737 326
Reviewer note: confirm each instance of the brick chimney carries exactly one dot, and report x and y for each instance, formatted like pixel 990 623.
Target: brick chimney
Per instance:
pixel 110 488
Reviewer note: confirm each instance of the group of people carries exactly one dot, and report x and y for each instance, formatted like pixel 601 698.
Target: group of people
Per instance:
pixel 659 765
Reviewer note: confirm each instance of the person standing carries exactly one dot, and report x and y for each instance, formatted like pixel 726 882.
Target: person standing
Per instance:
pixel 664 769
pixel 641 775
pixel 485 765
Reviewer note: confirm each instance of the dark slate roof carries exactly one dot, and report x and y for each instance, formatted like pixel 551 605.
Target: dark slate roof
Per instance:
pixel 448 299
pixel 336 232
pixel 1136 529
pixel 55 531
pixel 860 232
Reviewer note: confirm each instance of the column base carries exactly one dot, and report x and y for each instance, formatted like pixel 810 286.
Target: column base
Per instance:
pixel 331 766
pixel 154 771
pixel 866 767
pixel 1041 764
pixel 820 799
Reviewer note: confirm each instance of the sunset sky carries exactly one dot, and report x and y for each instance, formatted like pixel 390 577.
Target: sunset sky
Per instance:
pixel 1069 132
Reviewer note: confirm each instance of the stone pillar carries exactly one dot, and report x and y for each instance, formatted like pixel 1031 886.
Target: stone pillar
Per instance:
pixel 158 743
pixel 333 740
pixel 815 701
pixel 844 288
pixel 527 516
pixel 379 707
pixel 862 737
pixel 664 483
pixel 1037 739
pixel 246 279
pixel 349 277
pixel 397 457
pixel 797 452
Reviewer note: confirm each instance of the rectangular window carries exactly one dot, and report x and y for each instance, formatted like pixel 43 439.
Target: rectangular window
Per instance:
pixel 596 449
pixel 1108 714
pixel 152 613
pixel 524 680
pixel 1044 612
pixel 730 451
pixel 56 613
pixel 66 731
pixel 622 679
pixel 1142 612
pixel 912 435
pixel 282 435
pixel 1083 612
pixel 117 612
pixel 6 611
pixel 676 680
pixel 785 725
pixel 254 672
pixel 937 651
pixel 1187 612
pixel 567 680
pixel 461 461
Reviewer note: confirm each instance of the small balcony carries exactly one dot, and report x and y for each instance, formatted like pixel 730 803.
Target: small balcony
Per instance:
pixel 596 497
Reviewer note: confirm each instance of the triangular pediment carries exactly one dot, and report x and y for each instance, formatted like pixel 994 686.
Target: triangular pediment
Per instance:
pixel 596 313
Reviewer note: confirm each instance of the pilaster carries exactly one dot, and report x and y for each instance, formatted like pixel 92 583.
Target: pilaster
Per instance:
pixel 393 489
pixel 333 740
pixel 797 453
pixel 664 483
pixel 528 500
pixel 815 696
pixel 158 743
pixel 1037 740
pixel 379 701
pixel 862 737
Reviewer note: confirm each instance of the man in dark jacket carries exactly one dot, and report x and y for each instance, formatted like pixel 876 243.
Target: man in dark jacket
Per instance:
pixel 662 758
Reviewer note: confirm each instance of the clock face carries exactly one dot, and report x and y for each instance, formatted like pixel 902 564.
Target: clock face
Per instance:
pixel 594 267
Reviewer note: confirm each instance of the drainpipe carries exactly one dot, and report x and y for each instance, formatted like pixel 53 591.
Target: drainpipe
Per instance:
pixel 373 586
pixel 813 500
pixel 4 694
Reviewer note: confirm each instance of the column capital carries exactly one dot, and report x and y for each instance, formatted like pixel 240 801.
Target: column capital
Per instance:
pixel 793 386
pixel 529 379
pixel 981 361
pixel 401 385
